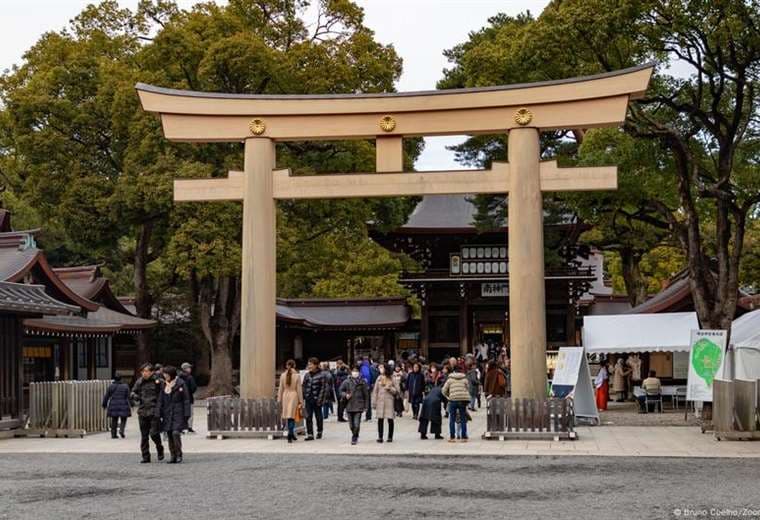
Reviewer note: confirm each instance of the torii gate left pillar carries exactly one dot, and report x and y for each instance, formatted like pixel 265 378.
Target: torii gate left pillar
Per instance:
pixel 259 272
pixel 522 111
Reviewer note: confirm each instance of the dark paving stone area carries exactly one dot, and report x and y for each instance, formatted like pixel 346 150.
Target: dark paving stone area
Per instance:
pixel 227 486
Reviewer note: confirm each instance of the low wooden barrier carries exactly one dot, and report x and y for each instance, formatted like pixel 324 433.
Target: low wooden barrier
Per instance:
pixel 736 409
pixel 67 408
pixel 232 417
pixel 549 418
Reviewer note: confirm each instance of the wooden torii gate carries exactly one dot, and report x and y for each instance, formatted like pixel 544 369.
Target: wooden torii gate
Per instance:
pixel 521 111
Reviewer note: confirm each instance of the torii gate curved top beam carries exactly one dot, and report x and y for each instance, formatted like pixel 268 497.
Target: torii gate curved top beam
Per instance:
pixel 584 102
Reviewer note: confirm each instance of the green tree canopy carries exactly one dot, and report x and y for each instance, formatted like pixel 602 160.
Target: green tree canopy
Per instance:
pixel 77 147
pixel 699 117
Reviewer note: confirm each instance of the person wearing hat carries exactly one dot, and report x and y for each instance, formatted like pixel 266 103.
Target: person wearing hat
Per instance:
pixel 145 392
pixel 187 376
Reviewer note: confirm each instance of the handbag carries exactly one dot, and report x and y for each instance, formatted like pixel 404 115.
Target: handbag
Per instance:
pixel 298 415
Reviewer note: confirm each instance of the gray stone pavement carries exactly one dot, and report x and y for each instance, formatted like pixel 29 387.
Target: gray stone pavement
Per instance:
pixel 621 441
pixel 216 486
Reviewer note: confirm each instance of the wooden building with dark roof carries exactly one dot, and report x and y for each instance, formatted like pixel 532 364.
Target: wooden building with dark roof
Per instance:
pixel 339 328
pixel 676 296
pixel 463 281
pixel 19 302
pixel 78 344
pixel 89 282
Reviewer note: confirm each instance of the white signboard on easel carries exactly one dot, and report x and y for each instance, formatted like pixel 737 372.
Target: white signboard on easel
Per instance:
pixel 706 359
pixel 572 377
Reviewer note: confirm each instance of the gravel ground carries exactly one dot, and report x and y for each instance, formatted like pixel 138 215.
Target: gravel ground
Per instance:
pixel 214 486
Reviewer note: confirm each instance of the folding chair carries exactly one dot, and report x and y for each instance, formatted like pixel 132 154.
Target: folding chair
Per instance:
pixel 652 397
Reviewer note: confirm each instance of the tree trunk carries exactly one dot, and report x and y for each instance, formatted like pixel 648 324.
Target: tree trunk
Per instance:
pixel 143 298
pixel 220 382
pixel 219 309
pixel 635 283
pixel 203 364
pixel 715 294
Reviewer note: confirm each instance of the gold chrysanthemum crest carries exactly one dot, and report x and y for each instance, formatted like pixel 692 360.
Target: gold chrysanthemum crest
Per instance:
pixel 257 126
pixel 387 123
pixel 523 116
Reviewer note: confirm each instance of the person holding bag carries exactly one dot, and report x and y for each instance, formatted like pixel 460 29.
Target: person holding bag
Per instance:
pixel 383 401
pixel 290 397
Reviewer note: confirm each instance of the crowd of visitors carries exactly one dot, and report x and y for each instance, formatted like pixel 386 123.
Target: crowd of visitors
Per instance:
pixel 428 391
pixel 389 390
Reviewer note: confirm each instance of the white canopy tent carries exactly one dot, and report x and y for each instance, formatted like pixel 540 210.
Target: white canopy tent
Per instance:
pixel 745 342
pixel 619 333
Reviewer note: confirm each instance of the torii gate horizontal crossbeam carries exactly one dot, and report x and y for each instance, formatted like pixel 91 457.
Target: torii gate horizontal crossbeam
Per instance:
pixel 353 185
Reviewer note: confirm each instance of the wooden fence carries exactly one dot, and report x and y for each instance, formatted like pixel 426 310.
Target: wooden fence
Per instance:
pixel 67 408
pixel 252 418
pixel 549 418
pixel 736 409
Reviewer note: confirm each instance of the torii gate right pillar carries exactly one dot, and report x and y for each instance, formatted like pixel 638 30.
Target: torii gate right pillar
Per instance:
pixel 527 299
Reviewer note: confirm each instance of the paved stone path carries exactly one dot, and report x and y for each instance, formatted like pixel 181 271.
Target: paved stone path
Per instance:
pixel 628 441
pixel 313 487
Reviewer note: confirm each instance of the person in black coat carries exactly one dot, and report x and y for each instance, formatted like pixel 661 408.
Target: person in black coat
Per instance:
pixel 341 374
pixel 415 385
pixel 330 393
pixel 430 414
pixel 187 376
pixel 354 393
pixel 174 410
pixel 116 403
pixel 145 393
pixel 315 388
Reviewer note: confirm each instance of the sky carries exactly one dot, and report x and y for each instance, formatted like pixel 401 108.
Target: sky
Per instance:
pixel 420 30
